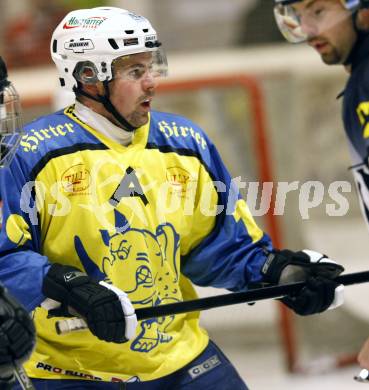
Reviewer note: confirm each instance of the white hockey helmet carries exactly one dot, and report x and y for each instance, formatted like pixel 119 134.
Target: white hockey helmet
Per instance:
pixel 99 36
pixel 289 21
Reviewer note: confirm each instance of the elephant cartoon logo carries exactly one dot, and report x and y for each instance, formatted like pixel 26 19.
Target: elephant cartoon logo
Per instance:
pixel 145 265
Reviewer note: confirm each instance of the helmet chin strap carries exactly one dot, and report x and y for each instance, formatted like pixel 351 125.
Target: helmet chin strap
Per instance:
pixel 108 105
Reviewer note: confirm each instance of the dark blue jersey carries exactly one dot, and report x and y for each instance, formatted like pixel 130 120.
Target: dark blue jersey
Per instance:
pixel 356 119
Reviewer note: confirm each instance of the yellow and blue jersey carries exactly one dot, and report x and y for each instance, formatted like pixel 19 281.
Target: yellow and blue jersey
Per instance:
pixel 152 217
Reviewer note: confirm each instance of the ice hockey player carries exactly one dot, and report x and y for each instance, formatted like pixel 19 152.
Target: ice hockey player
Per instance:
pixel 17 332
pixel 109 190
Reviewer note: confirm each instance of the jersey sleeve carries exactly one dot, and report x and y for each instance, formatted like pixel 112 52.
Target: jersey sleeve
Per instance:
pixel 226 248
pixel 22 267
pixel 356 110
pixel 362 108
pixel 356 122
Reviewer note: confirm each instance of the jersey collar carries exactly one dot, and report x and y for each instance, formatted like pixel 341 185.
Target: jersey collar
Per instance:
pixel 112 140
pixel 102 124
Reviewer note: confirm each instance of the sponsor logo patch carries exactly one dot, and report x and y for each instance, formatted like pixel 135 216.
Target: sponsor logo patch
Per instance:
pixel 62 371
pixel 76 179
pixel 31 141
pixel 204 367
pixel 179 180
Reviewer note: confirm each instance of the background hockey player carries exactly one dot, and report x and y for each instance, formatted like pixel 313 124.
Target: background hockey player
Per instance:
pixel 338 31
pixel 10 117
pixel 111 190
pixel 17 333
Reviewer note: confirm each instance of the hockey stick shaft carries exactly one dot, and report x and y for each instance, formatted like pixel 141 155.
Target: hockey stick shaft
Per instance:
pixel 23 378
pixel 273 292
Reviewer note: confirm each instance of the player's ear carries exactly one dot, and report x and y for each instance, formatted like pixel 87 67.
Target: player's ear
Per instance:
pixel 95 89
pixel 362 20
pixel 86 75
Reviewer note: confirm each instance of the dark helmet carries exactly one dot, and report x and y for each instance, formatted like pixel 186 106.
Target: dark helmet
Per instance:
pixel 11 126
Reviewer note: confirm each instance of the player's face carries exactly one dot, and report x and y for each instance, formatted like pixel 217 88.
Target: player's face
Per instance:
pixel 133 87
pixel 329 28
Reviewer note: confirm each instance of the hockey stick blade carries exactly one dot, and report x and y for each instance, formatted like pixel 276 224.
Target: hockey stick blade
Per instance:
pixel 258 294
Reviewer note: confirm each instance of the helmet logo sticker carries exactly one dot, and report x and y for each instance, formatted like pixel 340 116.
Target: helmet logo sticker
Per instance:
pixel 150 38
pixel 91 23
pixel 137 18
pixel 130 41
pixel 79 46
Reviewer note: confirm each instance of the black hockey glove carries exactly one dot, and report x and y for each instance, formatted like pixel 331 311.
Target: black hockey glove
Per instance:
pixel 321 291
pixel 17 336
pixel 107 310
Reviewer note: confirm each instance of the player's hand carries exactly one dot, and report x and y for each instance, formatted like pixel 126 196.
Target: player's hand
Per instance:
pixel 17 335
pixel 320 293
pixel 107 310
